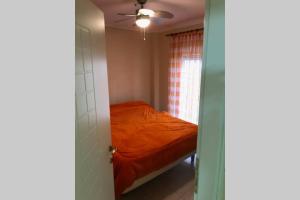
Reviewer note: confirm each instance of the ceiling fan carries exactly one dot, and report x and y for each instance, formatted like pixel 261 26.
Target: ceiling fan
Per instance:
pixel 144 16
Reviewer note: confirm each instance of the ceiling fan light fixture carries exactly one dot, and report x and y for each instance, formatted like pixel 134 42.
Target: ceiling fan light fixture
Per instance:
pixel 142 21
pixel 148 12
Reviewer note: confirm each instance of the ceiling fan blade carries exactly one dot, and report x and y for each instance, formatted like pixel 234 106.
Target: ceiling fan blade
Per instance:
pixel 163 14
pixel 122 20
pixel 156 21
pixel 128 15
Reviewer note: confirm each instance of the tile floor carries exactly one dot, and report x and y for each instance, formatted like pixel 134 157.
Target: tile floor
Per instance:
pixel 175 184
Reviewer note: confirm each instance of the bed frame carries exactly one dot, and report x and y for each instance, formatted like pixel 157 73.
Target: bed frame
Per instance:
pixel 154 174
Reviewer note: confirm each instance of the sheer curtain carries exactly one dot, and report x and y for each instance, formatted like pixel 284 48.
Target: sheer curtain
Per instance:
pixel 184 75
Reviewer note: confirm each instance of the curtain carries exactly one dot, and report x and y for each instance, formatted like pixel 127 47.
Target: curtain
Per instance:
pixel 184 75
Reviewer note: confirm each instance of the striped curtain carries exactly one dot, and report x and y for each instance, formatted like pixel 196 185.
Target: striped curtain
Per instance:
pixel 185 47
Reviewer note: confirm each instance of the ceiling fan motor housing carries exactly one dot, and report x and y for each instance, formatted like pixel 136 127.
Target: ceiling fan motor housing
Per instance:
pixel 143 17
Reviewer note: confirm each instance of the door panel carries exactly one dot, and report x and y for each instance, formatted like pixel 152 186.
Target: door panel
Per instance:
pixel 94 173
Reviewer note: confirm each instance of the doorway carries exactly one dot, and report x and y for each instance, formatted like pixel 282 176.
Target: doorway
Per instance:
pixel 89 182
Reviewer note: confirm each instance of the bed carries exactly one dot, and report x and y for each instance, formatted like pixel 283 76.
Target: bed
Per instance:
pixel 148 143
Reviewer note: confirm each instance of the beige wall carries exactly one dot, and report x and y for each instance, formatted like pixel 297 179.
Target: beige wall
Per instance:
pixel 160 56
pixel 129 60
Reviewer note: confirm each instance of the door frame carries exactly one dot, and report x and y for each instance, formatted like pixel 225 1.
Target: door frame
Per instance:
pixel 210 160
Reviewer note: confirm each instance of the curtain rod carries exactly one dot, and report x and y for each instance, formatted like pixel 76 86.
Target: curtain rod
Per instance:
pixel 198 29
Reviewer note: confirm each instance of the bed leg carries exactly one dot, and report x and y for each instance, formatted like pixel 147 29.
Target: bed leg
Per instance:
pixel 192 158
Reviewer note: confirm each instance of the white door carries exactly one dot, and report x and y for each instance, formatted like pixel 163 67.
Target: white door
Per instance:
pixel 94 172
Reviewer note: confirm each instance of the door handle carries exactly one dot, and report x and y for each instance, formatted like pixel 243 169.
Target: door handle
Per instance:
pixel 112 150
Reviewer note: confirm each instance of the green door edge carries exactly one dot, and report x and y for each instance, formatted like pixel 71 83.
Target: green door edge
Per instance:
pixel 210 170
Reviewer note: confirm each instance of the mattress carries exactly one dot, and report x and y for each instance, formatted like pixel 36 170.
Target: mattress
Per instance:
pixel 146 140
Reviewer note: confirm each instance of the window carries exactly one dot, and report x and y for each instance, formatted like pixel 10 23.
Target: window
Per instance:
pixel 185 75
pixel 189 95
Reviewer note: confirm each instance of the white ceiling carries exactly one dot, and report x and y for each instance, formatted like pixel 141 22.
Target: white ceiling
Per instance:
pixel 186 13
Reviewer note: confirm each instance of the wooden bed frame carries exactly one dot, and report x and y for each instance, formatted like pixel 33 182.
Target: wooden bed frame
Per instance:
pixel 156 173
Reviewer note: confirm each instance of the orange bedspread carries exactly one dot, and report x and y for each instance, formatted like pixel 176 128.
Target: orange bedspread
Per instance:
pixel 146 141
